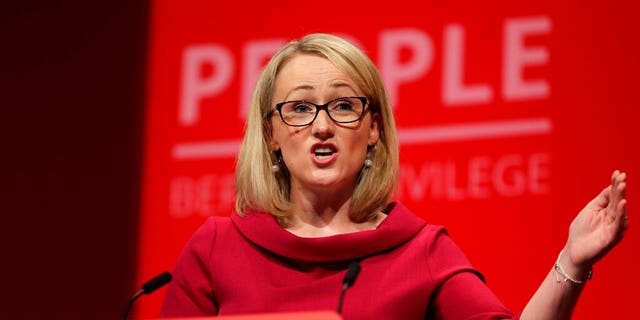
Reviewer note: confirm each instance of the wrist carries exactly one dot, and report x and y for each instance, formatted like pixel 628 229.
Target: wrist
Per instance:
pixel 568 271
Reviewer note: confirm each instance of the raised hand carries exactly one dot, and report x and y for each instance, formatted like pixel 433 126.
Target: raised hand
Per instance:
pixel 598 227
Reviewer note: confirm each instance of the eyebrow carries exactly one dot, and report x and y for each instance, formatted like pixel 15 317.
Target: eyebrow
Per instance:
pixel 342 84
pixel 338 84
pixel 302 87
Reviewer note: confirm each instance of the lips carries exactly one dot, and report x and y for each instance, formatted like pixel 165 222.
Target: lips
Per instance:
pixel 324 153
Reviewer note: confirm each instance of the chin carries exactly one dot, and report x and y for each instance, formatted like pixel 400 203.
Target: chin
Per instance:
pixel 330 181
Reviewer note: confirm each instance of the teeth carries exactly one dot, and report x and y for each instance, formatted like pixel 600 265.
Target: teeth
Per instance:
pixel 322 152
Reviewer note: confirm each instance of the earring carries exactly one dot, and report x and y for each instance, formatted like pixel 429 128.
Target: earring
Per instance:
pixel 368 163
pixel 276 165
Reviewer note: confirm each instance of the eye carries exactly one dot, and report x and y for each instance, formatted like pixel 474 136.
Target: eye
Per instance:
pixel 342 106
pixel 301 107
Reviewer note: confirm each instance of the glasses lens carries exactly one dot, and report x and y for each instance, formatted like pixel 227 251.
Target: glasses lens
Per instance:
pixel 346 109
pixel 298 112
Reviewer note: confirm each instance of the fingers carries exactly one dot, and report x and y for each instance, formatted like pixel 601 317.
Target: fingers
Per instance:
pixel 613 193
pixel 622 207
pixel 617 208
pixel 618 178
pixel 618 189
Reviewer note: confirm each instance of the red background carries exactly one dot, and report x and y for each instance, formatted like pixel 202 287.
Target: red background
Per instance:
pixel 511 232
pixel 73 78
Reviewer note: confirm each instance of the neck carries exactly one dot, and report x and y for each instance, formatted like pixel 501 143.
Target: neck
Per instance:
pixel 320 215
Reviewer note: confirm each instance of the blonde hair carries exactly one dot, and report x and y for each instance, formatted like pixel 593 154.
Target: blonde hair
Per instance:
pixel 258 187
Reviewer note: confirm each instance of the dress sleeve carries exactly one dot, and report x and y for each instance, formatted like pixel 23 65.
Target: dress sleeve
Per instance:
pixel 462 293
pixel 190 292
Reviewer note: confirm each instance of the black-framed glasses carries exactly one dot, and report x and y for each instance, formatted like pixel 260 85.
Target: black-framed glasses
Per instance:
pixel 300 113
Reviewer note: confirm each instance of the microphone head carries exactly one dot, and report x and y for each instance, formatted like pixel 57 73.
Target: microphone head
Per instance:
pixel 157 282
pixel 352 273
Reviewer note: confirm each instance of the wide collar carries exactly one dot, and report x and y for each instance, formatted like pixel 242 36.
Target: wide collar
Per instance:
pixel 263 230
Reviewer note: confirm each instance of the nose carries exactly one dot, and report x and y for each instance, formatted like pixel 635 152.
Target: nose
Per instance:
pixel 323 127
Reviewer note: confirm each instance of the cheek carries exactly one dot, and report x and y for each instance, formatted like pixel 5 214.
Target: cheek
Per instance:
pixel 290 144
pixel 279 136
pixel 359 148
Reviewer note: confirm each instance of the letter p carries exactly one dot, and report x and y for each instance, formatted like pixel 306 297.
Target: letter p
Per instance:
pixel 194 86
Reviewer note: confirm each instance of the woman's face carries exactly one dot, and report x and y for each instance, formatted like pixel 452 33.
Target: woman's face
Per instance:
pixel 324 155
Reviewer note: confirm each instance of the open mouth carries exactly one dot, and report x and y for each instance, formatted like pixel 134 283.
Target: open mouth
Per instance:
pixel 323 152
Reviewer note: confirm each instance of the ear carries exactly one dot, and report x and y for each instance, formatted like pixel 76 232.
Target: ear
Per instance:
pixel 273 145
pixel 374 130
pixel 271 142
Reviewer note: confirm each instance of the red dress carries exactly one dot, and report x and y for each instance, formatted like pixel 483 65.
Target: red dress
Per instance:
pixel 410 270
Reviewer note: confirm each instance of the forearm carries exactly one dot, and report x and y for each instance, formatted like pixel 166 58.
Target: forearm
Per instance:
pixel 556 297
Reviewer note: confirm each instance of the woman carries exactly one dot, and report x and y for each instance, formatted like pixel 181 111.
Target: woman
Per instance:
pixel 314 181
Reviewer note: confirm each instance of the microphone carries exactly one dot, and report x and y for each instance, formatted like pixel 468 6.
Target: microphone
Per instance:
pixel 349 279
pixel 148 287
pixel 155 283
